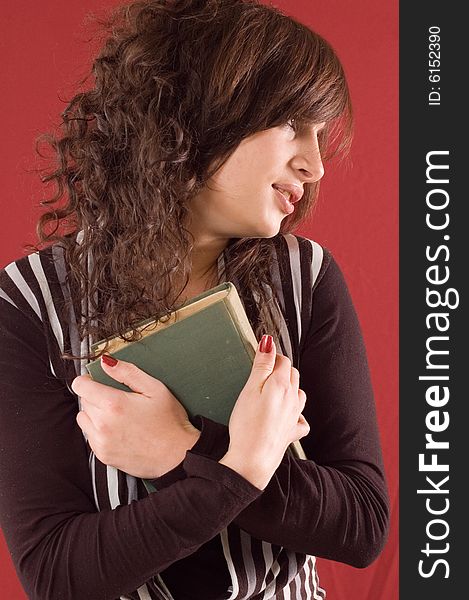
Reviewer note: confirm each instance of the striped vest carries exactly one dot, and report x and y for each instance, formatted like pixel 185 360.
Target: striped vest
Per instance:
pixel 259 570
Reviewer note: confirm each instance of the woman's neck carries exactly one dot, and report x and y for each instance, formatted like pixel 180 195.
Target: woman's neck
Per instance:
pixel 204 269
pixel 207 248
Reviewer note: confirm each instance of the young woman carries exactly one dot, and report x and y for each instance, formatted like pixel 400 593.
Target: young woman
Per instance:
pixel 189 162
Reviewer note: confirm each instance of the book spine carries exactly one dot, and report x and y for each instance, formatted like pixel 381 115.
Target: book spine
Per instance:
pixel 238 315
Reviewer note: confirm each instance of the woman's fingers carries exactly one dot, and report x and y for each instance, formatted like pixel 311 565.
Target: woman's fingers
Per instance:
pixel 86 424
pixel 283 368
pixel 96 393
pixel 289 376
pixel 94 410
pixel 303 427
pixel 301 399
pixel 123 372
pixel 101 395
pixel 263 364
pixel 96 421
pixel 98 437
pixel 130 375
pixel 295 377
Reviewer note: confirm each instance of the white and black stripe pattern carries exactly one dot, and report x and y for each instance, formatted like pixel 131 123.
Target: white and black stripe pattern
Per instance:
pixel 37 285
pixel 260 570
pixel 111 486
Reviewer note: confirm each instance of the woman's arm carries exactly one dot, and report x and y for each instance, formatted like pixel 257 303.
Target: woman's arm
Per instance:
pixel 335 504
pixel 61 547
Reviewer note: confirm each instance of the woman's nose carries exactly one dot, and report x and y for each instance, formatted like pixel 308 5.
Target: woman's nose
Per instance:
pixel 308 161
pixel 312 168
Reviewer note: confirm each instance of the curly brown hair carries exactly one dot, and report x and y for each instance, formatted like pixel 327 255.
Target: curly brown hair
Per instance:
pixel 178 84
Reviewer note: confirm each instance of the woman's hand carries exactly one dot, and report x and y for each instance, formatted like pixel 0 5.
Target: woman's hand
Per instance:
pixel 266 418
pixel 145 432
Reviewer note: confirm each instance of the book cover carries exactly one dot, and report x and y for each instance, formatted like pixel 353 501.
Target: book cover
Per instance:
pixel 203 353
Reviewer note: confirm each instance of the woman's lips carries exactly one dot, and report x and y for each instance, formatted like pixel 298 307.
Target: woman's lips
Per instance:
pixel 287 206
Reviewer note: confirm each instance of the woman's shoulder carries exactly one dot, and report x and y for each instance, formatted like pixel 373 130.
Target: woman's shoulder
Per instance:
pixel 33 283
pixel 302 259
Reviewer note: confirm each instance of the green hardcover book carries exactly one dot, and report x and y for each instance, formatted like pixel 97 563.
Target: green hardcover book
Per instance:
pixel 203 353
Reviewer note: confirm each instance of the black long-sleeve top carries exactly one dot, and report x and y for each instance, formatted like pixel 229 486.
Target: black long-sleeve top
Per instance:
pixel 78 529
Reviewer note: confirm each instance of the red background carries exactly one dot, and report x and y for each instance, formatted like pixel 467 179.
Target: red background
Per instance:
pixel 44 52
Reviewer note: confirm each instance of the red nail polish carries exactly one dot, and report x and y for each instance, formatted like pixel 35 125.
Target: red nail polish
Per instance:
pixel 109 360
pixel 266 343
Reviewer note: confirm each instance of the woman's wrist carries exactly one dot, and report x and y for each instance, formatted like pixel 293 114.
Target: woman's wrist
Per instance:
pixel 247 468
pixel 177 453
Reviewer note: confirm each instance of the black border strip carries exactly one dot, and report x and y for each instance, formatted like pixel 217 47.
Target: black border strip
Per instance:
pixel 433 270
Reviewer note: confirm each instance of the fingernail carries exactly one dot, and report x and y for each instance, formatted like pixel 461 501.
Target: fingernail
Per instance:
pixel 266 344
pixel 109 360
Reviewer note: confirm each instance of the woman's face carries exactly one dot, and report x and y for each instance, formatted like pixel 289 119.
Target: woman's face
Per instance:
pixel 240 200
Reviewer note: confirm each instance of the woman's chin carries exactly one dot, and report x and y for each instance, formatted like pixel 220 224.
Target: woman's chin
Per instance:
pixel 266 229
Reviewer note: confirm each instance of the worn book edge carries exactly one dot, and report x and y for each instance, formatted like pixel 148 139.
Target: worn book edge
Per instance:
pixel 238 315
pixel 151 325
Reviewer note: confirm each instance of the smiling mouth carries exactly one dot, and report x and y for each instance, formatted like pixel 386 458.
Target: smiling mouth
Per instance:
pixel 284 197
